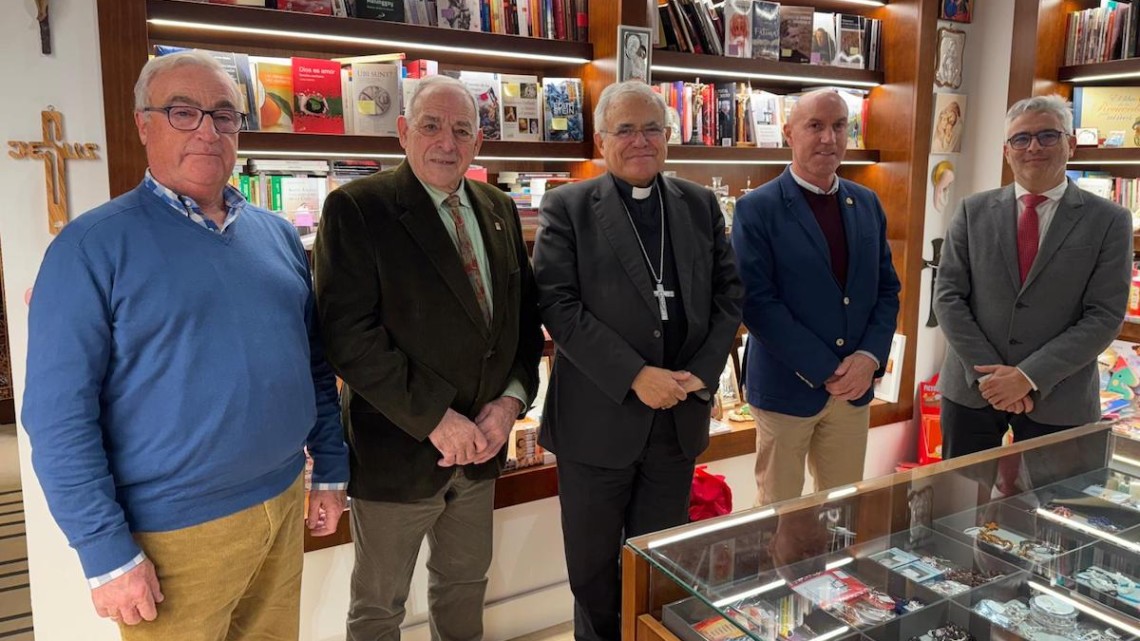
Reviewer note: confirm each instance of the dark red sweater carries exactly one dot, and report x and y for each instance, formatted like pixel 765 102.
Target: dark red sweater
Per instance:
pixel 827 214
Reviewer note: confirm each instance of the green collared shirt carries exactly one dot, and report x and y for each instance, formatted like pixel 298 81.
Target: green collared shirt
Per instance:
pixel 514 388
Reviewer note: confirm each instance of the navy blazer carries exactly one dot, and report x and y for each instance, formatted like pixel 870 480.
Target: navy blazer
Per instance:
pixel 800 321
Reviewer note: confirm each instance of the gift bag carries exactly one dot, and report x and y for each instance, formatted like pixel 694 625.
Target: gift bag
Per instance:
pixel 930 422
pixel 710 497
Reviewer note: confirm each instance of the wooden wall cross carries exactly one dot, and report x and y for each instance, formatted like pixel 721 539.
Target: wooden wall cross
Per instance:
pixel 55 153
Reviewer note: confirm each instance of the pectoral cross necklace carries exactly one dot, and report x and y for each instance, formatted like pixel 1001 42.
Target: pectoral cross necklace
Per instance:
pixel 660 293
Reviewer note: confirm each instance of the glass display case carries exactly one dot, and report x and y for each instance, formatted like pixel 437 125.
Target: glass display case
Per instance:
pixel 1035 541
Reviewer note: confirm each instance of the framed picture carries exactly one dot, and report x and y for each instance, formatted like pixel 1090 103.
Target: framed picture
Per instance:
pixel 956 10
pixel 634 50
pixel 951 46
pixel 949 123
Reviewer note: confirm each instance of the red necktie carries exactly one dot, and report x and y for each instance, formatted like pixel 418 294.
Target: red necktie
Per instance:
pixel 1028 233
pixel 467 256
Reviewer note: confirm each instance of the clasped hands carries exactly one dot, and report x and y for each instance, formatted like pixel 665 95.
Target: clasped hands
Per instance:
pixel 661 388
pixel 852 378
pixel 462 441
pixel 1005 388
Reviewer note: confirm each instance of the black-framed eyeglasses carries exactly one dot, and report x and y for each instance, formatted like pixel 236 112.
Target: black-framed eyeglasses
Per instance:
pixel 186 118
pixel 1046 138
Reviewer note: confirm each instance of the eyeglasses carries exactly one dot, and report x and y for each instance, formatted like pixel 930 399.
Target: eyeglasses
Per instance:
pixel 1046 138
pixel 186 118
pixel 652 133
pixel 433 129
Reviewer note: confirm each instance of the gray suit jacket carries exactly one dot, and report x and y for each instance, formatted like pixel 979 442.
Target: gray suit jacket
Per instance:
pixel 1069 310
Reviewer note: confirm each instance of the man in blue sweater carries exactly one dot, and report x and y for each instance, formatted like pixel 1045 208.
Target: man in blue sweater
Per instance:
pixel 174 378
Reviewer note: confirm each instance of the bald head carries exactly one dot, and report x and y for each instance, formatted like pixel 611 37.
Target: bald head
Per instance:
pixel 817 133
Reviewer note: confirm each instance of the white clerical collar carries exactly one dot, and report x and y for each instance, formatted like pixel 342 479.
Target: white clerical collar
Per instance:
pixel 641 193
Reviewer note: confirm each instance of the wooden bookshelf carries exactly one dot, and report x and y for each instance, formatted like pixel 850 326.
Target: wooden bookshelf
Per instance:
pixel 1119 71
pixel 898 127
pixel 274 32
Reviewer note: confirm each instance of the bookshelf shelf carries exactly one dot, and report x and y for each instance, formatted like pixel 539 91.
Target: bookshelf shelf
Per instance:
pixel 673 65
pixel 1103 156
pixel 1130 332
pixel 1112 72
pixel 266 144
pixel 753 155
pixel 234 28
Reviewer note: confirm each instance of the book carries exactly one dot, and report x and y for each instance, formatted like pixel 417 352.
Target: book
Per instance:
pixel 301 200
pixel 795 34
pixel 375 102
pixel 317 100
pixel 274 95
pixel 767 119
pixel 850 36
pixel 346 90
pixel 321 7
pixel 725 115
pixel 522 108
pixel 823 46
pixel 420 68
pixel 563 100
pixel 459 14
pixel 485 87
pixel 765 30
pixel 738 28
pixel 1109 109
pixel 387 10
pixel 830 587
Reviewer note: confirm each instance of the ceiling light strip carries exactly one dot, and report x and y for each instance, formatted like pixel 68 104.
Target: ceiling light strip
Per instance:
pixel 1105 76
pixel 725 73
pixel 1104 162
pixel 371 42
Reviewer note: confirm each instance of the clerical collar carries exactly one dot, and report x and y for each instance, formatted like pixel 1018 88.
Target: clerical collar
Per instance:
pixel 630 191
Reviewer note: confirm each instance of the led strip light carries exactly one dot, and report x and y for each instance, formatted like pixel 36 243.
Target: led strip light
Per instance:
pixel 706 161
pixel 763 76
pixel 708 529
pixel 252 153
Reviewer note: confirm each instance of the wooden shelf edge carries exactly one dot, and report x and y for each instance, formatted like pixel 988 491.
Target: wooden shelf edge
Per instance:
pixel 1112 67
pixel 786 74
pixel 1130 332
pixel 1106 154
pixel 290 30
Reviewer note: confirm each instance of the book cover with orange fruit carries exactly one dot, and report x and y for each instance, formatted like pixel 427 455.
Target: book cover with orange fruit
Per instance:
pixel 275 96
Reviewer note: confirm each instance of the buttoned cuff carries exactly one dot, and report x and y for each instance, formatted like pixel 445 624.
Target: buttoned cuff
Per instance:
pixel 517 391
pixel 329 486
pixel 104 579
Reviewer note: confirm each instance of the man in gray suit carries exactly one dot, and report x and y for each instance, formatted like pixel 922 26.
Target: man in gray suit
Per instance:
pixel 1032 287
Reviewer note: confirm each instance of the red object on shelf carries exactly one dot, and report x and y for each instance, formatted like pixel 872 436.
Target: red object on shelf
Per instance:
pixel 930 422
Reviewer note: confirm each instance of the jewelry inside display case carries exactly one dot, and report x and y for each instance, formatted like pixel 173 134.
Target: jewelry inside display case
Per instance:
pixel 1037 541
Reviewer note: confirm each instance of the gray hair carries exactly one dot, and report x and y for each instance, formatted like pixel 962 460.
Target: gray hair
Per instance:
pixel 1051 104
pixel 439 82
pixel 189 58
pixel 627 88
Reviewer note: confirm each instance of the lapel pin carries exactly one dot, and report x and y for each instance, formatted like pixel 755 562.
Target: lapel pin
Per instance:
pixel 498 227
pixel 850 201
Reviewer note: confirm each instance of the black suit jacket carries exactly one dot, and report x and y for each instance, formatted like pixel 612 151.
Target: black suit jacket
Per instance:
pixel 595 295
pixel 403 330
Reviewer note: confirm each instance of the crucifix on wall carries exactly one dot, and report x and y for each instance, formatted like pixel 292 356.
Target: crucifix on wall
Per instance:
pixel 45 25
pixel 55 153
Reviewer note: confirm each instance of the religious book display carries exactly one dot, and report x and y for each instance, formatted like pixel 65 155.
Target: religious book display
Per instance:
pixel 1038 541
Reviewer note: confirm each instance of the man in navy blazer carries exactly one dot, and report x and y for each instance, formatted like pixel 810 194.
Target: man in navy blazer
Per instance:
pixel 821 299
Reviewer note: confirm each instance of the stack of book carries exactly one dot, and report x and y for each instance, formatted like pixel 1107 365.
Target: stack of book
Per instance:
pixel 1105 33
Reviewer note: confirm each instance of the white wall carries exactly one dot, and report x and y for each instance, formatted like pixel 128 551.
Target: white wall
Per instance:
pixel 978 166
pixel 70 79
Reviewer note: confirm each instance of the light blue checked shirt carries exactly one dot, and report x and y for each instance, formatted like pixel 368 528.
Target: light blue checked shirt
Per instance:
pixel 234 203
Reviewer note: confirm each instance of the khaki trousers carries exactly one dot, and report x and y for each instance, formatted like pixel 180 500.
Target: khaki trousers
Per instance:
pixel 834 442
pixel 237 577
pixel 387 536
